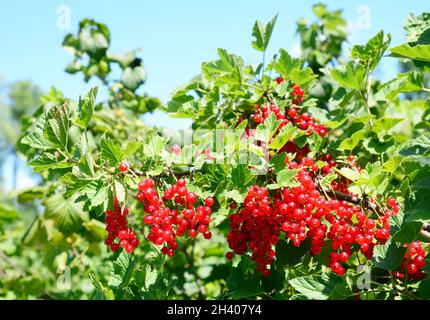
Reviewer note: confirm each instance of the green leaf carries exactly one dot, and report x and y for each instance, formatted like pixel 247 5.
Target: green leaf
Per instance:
pixel 348 173
pixel 110 151
pixel 146 276
pixel 73 67
pixel 57 126
pixel 317 287
pixel 8 212
pixel 351 142
pixel 98 194
pixel 81 176
pixel 132 78
pixel 120 190
pixel 262 34
pixel 302 77
pixel 419 52
pixel 385 124
pixel 371 53
pixel 417 146
pixel 275 281
pixel 289 255
pixel 35 138
pixel 122 270
pixel 183 106
pixel 124 60
pixel 225 71
pixel 242 286
pixel 286 133
pixel 416 26
pixel 241 177
pixel 285 178
pixel 286 64
pixel 96 228
pixel 235 195
pixel 411 81
pixel 388 256
pixel 266 130
pixel 291 68
pixel 33 193
pixel 392 164
pixel 350 75
pixel 424 289
pixel 87 160
pixel 93 37
pixel 154 146
pixel 67 215
pixel 106 293
pixel 278 161
pixel 408 232
pixel 48 161
pixel 86 108
pixel 421 212
pixel 131 149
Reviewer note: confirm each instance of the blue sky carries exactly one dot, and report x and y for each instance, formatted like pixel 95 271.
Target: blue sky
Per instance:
pixel 176 36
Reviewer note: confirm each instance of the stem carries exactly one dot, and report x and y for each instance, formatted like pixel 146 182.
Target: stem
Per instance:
pixel 365 94
pixel 262 68
pixel 369 123
pixel 66 155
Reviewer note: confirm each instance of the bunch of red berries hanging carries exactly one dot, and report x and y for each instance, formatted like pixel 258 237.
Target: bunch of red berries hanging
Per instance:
pixel 305 212
pixel 413 262
pixel 118 229
pixel 174 214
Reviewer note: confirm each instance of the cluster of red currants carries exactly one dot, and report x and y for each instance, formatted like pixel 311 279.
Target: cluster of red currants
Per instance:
pixel 305 212
pixel 263 112
pixel 297 92
pixel 167 223
pixel 413 262
pixel 306 122
pixel 256 227
pixel 117 228
pixel 303 120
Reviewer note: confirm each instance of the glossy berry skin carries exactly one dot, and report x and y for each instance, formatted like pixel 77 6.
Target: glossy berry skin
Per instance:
pixel 123 167
pixel 279 80
pixel 176 149
pixel 191 198
pixel 210 201
pixel 391 202
pixel 229 255
pixel 258 118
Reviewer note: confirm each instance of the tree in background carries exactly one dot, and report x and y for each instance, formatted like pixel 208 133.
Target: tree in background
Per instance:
pixel 23 98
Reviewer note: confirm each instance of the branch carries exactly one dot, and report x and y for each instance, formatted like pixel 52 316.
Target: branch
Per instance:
pixel 425 231
pixel 363 201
